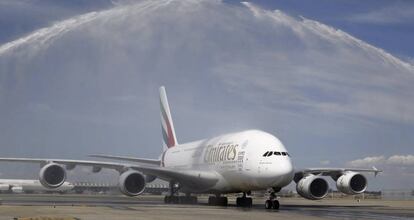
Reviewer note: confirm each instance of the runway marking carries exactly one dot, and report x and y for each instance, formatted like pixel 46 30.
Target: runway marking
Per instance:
pixel 46 218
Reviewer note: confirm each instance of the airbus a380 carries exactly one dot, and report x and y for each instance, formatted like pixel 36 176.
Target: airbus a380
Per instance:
pixel 232 163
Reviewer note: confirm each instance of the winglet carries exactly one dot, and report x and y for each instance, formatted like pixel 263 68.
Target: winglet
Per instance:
pixel 376 171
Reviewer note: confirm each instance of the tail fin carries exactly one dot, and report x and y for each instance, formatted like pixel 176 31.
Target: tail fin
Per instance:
pixel 168 131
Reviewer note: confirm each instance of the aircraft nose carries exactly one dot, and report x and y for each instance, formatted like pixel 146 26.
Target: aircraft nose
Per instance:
pixel 286 169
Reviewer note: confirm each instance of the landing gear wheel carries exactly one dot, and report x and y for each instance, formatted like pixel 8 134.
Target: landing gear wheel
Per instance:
pixel 268 204
pixel 272 202
pixel 212 200
pixel 174 200
pixel 167 199
pixel 275 204
pixel 173 197
pixel 217 201
pixel 222 201
pixel 249 202
pixel 244 201
pixel 193 200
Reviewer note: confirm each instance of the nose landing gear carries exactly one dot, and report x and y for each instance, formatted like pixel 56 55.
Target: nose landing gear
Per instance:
pixel 272 202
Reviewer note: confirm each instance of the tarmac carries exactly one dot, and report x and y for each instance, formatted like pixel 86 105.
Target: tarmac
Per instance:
pixel 72 206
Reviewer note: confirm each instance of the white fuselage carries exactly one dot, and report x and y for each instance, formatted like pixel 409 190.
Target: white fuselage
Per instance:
pixel 20 185
pixel 237 159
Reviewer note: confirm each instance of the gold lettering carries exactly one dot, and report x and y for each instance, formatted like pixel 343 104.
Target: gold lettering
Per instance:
pixel 207 154
pixel 232 153
pixel 222 150
pixel 216 154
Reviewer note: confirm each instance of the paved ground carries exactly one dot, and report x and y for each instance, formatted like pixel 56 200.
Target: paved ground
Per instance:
pixel 152 207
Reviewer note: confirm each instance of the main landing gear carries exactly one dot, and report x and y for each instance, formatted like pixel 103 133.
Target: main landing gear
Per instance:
pixel 244 201
pixel 174 198
pixel 272 202
pixel 217 200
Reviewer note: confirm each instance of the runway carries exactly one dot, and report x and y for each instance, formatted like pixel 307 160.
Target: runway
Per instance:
pixel 152 207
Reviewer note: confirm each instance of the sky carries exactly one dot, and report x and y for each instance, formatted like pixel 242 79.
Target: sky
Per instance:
pixel 331 79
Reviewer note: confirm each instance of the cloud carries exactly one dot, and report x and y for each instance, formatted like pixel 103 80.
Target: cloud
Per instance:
pixel 401 160
pixel 21 17
pixel 367 161
pixel 325 162
pixel 390 15
pixel 394 160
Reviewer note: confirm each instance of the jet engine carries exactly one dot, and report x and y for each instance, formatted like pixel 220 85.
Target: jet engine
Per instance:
pixel 52 175
pixel 351 183
pixel 312 187
pixel 132 183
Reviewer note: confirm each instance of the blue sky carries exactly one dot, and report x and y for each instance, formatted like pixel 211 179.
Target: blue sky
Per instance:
pixel 385 24
pixel 82 77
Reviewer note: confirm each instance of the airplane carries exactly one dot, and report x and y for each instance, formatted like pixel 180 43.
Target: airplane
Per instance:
pixel 231 163
pixel 24 185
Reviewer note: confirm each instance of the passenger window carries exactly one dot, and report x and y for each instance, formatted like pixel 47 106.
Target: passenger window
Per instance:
pixel 284 153
pixel 265 154
pixel 270 153
pixel 277 153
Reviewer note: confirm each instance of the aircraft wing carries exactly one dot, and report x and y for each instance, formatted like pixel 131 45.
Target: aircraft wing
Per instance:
pixel 190 178
pixel 68 163
pixel 132 159
pixel 333 172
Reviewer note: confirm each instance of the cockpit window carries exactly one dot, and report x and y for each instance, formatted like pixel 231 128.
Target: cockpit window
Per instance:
pixel 276 153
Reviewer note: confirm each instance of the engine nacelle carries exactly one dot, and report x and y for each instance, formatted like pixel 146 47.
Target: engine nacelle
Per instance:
pixel 4 187
pixel 52 175
pixel 312 187
pixel 351 183
pixel 132 183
